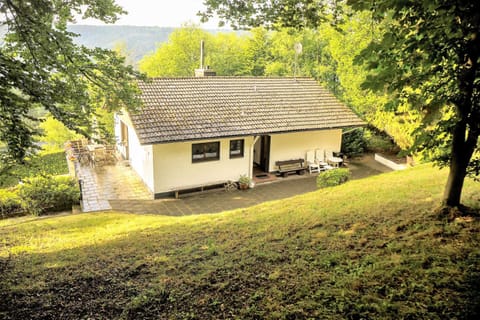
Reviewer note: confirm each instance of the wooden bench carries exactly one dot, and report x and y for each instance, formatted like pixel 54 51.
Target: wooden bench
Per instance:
pixel 199 188
pixel 288 166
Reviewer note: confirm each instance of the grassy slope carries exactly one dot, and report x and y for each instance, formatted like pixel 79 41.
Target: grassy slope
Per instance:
pixel 367 249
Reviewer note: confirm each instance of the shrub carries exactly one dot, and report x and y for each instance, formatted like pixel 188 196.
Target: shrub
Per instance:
pixel 10 203
pixel 333 177
pixel 42 164
pixel 353 143
pixel 42 194
pixel 379 142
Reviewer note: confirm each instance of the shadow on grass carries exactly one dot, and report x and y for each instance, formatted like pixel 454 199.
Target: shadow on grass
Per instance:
pixel 207 274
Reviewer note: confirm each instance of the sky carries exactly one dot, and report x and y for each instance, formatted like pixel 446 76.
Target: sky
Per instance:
pixel 161 13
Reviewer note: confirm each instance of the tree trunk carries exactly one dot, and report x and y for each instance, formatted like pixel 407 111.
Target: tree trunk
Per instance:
pixel 456 177
pixel 462 151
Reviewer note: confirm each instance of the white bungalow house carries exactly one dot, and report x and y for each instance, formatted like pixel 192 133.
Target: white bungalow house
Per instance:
pixel 204 131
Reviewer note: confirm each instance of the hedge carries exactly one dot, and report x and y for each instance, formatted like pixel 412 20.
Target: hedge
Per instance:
pixel 48 194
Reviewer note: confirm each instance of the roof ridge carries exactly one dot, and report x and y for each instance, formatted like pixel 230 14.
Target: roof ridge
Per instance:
pixel 231 77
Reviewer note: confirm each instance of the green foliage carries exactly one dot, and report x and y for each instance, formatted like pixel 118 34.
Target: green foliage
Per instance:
pixel 428 56
pixel 48 194
pixel 105 125
pixel 10 203
pixel 379 142
pixel 257 51
pixel 55 134
pixel 244 179
pixel 353 143
pixel 179 57
pixel 241 14
pixel 41 66
pixel 334 177
pixel 226 54
pixel 40 165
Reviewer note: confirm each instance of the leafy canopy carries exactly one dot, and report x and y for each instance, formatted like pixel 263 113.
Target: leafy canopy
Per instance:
pixel 40 66
pixel 180 55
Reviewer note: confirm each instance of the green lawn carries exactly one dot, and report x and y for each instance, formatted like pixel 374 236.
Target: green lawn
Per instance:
pixel 371 248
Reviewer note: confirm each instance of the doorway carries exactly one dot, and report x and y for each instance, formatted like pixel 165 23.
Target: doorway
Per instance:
pixel 265 153
pixel 124 139
pixel 262 153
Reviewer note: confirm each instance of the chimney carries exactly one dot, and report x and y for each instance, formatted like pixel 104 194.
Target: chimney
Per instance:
pixel 204 71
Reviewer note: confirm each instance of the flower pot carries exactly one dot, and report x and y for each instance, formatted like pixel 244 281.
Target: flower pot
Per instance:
pixel 243 186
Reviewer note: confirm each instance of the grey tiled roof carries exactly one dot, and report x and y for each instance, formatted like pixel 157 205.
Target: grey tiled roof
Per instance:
pixel 180 109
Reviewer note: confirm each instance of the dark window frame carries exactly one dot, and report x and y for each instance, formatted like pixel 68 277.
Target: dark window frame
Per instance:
pixel 202 152
pixel 238 152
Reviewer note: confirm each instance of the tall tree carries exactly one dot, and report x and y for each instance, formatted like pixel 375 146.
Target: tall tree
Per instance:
pixel 226 54
pixel 428 56
pixel 257 51
pixel 344 42
pixel 41 66
pixel 179 56
pixel 282 60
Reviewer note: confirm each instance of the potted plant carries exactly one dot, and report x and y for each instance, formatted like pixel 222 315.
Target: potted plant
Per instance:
pixel 244 182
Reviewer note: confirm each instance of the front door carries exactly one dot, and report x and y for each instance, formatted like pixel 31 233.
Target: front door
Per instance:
pixel 265 153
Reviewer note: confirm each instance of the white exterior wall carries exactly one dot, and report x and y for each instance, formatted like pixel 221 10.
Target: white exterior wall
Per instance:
pixel 140 157
pixel 288 146
pixel 168 167
pixel 174 170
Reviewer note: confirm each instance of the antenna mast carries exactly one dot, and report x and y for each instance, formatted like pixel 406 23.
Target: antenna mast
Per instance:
pixel 298 50
pixel 202 53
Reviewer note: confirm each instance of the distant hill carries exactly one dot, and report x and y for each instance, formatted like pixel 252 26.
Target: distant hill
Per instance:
pixel 139 40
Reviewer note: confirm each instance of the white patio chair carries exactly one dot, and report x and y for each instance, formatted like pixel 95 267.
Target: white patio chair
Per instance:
pixel 311 164
pixel 332 160
pixel 320 160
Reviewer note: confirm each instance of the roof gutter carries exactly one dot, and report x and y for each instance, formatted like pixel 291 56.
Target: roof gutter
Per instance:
pixel 353 129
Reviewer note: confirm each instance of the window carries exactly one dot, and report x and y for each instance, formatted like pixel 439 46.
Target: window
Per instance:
pixel 236 148
pixel 205 151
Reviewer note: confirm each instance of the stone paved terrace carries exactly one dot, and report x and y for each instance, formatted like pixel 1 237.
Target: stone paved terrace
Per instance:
pixel 110 182
pixel 119 188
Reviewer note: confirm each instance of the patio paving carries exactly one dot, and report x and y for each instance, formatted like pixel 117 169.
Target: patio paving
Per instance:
pixel 119 188
pixel 101 184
